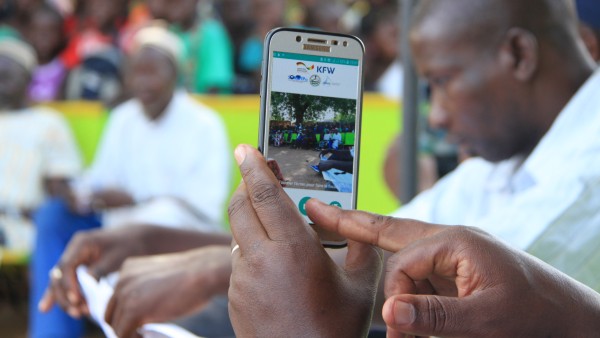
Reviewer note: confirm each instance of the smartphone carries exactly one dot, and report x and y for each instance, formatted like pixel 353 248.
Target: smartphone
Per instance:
pixel 311 104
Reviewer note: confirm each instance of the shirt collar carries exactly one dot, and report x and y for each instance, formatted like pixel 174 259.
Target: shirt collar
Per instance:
pixel 574 133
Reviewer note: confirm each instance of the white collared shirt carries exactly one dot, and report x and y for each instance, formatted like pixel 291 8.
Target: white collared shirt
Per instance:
pixel 183 155
pixel 35 143
pixel 519 202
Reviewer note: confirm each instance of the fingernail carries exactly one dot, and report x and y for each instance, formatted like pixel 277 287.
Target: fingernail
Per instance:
pixel 240 154
pixel 404 313
pixel 72 297
pixel 74 313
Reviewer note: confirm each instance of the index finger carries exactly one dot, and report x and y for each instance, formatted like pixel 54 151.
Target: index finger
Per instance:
pixel 388 233
pixel 276 211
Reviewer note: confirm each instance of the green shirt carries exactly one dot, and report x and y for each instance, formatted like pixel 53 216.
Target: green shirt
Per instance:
pixel 208 57
pixel 572 243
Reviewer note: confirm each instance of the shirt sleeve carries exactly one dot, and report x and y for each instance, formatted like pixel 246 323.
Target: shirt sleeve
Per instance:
pixel 61 155
pixel 205 186
pixel 105 169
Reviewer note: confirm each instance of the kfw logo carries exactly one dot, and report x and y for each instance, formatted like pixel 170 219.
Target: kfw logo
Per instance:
pixel 324 69
pixel 303 68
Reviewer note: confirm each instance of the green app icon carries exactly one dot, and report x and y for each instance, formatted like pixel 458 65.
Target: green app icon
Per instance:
pixel 302 205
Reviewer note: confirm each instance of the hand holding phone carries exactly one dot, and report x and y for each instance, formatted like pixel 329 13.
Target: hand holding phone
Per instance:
pixel 311 102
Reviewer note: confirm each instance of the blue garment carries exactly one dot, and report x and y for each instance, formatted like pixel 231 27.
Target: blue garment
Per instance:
pixel 55 226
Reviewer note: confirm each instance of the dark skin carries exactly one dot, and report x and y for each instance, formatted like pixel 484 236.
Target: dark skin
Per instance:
pixel 591 38
pixel 104 251
pixel 153 78
pixel 183 13
pixel 104 13
pixel 145 294
pixel 447 281
pixel 158 9
pixel 45 34
pixel 462 282
pixel 262 294
pixel 497 96
pixel 14 80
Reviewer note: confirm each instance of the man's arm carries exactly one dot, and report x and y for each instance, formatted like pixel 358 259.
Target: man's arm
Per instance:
pixel 166 287
pixel 103 251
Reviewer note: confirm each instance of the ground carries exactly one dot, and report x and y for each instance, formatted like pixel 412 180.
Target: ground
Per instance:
pixel 295 164
pixel 13 304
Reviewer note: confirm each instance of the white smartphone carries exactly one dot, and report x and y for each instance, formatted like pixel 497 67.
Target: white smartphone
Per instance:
pixel 311 104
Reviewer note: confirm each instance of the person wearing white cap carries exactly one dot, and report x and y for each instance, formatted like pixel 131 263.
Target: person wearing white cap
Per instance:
pixel 38 154
pixel 163 160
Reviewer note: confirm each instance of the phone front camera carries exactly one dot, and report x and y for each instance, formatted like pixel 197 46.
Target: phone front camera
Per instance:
pixel 345 43
pixel 298 38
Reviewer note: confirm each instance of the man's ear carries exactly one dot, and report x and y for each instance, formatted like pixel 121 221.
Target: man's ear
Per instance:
pixel 590 40
pixel 520 52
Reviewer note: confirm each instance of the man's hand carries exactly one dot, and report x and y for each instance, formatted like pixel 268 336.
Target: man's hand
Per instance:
pixel 283 281
pixel 460 281
pixel 111 198
pixel 166 287
pixel 102 251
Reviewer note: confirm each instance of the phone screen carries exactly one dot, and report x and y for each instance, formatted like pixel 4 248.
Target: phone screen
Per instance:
pixel 313 121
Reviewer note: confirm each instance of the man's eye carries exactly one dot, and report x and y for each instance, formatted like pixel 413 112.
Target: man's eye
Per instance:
pixel 439 81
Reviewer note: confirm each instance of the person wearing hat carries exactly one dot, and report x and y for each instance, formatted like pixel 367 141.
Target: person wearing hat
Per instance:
pixel 38 154
pixel 589 25
pixel 154 166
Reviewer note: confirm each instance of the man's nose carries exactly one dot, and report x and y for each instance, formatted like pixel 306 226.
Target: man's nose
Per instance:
pixel 438 116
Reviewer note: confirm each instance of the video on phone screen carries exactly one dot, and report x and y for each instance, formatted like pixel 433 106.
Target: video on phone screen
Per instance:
pixel 311 141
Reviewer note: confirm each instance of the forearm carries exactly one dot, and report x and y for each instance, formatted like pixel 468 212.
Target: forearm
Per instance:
pixel 161 240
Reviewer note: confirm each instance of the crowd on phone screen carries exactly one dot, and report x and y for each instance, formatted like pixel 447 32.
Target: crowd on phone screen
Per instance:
pixel 317 136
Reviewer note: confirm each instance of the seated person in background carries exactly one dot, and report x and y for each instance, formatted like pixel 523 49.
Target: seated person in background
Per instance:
pixel 16 14
pixel 154 166
pixel 589 25
pixel 38 155
pixel 441 281
pixel 338 159
pixel 383 69
pixel 336 139
pixel 45 33
pixel 266 15
pixel 208 52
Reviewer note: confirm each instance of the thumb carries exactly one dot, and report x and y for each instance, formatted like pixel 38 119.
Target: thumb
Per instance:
pixel 427 315
pixel 364 261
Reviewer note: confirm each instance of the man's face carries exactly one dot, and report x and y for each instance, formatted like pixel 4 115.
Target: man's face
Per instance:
pixel 152 80
pixel 13 83
pixel 474 96
pixel 104 12
pixel 182 11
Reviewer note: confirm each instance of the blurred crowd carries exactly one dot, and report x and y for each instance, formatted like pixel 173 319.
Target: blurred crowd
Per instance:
pixel 81 45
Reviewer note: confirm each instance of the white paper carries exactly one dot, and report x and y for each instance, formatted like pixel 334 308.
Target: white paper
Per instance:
pixel 97 295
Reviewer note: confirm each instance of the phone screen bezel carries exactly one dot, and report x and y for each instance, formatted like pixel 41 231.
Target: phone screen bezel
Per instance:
pixel 283 39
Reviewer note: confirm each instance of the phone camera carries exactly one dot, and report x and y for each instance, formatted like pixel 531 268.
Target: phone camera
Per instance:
pixel 334 42
pixel 298 38
pixel 345 44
